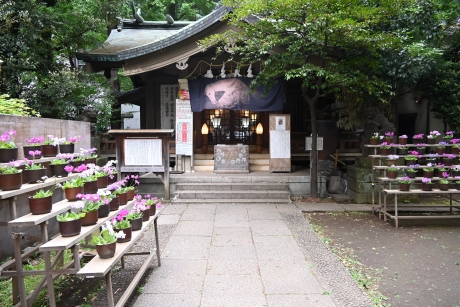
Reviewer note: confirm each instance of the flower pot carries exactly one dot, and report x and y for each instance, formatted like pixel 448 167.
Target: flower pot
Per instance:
pixel 76 163
pixel 26 150
pixel 384 151
pixel 123 197
pixel 70 228
pixel 454 150
pixel 431 141
pixel 457 186
pixel 428 174
pixel 447 161
pixel 136 224
pixel 34 175
pixel 128 234
pixel 102 182
pixel 389 140
pixel 130 194
pixel 49 150
pixel 58 170
pixel 104 210
pixel 374 142
pixel 112 180
pixel 404 186
pixel 71 193
pixel 66 148
pixel 146 215
pixel 90 161
pixel 90 187
pixel 440 151
pixel 427 186
pixel 90 218
pixel 40 205
pixel 402 141
pixel 411 174
pixel 403 151
pixel 107 250
pixel 114 204
pixel 10 181
pixel 444 186
pixel 421 151
pixel 8 154
pixel 455 173
pixel 392 175
pixel 153 209
pixel 390 162
pixel 411 162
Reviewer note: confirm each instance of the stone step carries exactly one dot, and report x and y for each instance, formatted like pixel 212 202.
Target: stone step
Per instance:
pixel 211 186
pixel 249 194
pixel 233 201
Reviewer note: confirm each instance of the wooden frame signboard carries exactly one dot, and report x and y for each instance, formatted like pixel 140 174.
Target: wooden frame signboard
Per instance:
pixel 144 150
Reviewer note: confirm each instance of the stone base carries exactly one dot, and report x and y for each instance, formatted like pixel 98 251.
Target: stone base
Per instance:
pixel 229 171
pixel 151 184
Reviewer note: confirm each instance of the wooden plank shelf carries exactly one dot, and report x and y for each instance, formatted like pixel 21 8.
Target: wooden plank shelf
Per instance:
pixel 31 187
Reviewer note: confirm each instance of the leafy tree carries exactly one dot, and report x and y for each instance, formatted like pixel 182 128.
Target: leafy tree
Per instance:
pixel 13 106
pixel 329 45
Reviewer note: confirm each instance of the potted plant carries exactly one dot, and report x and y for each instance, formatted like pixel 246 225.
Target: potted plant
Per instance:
pixel 106 241
pixel 72 188
pixel 448 135
pixel 457 182
pixel 120 191
pixel 392 171
pixel 454 148
pixel 70 222
pixel 402 139
pixel 8 150
pixel 391 159
pixel 421 147
pixel 426 184
pixel 42 201
pixel 389 136
pixel 76 160
pixel 131 183
pixel 120 222
pixel 136 215
pixel 102 176
pixel 106 198
pixel 68 145
pixel 418 138
pixel 111 170
pixel 431 138
pixel 374 139
pixel 444 182
pixel 441 148
pixel 92 203
pixel 33 172
pixel 412 158
pixel 153 203
pixel 455 170
pixel 33 144
pixel 411 172
pixel 89 155
pixel 428 171
pixel 448 159
pixel 385 148
pixel 58 165
pixel 89 177
pixel 404 183
pixel 402 149
pixel 49 146
pixel 10 177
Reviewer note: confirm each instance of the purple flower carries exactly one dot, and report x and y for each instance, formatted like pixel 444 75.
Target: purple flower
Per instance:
pixel 426 180
pixel 445 174
pixel 68 168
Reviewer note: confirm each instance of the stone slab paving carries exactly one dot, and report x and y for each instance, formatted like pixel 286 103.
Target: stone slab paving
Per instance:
pixel 246 255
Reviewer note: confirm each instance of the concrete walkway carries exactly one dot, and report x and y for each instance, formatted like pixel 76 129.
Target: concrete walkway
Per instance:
pixel 247 255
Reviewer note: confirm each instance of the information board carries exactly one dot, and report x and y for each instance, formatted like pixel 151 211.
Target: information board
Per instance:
pixel 309 141
pixel 184 128
pixel 168 95
pixel 141 152
pixel 280 144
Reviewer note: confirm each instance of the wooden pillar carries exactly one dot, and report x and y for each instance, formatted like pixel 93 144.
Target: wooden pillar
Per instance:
pixel 115 89
pixel 149 114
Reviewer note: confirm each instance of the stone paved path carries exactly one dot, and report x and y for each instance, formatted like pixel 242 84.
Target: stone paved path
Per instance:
pixel 246 255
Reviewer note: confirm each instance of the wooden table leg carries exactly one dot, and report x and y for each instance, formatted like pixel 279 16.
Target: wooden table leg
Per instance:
pixel 157 241
pixel 108 284
pixel 396 210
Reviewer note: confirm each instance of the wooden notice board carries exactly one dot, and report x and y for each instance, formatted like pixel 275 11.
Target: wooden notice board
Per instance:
pixel 144 150
pixel 280 143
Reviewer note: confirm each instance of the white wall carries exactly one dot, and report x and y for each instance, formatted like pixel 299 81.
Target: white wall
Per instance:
pixel 131 123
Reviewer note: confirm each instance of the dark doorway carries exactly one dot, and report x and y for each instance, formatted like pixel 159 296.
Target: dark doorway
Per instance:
pixel 406 125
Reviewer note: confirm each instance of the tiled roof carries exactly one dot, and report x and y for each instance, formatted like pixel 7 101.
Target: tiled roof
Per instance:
pixel 131 43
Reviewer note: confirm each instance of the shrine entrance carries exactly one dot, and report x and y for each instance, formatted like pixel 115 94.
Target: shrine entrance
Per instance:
pixel 232 126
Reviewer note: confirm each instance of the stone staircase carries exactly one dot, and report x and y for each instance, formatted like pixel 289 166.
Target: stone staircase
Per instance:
pixel 231 192
pixel 257 162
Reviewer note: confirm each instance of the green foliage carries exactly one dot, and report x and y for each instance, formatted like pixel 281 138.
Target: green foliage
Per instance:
pixel 74 183
pixel 70 216
pixel 7 169
pixel 14 106
pixel 42 194
pixel 104 238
